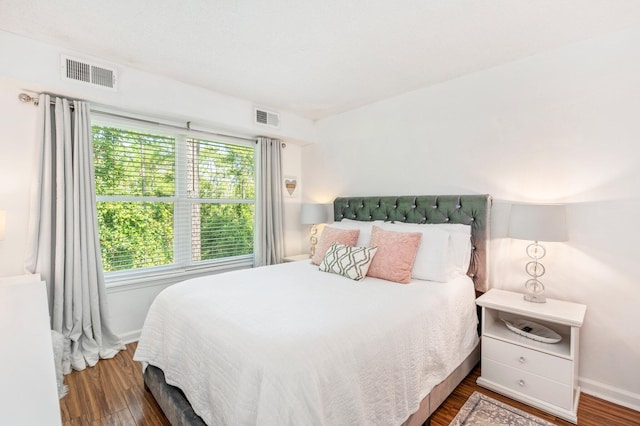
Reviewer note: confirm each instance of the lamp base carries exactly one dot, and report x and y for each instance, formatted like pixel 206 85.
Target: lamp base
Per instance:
pixel 535 291
pixel 313 239
pixel 535 298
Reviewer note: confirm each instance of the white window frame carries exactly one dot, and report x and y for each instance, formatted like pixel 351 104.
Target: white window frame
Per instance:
pixel 183 267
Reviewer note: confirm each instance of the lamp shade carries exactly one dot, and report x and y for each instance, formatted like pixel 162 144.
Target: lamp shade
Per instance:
pixel 538 222
pixel 312 214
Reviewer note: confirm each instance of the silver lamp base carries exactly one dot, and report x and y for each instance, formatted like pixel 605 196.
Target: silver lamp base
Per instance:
pixel 535 289
pixel 313 240
pixel 535 298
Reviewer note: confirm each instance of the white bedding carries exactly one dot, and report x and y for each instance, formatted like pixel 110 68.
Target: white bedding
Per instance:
pixel 288 344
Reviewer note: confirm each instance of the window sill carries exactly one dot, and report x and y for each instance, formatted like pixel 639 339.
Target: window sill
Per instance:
pixel 119 281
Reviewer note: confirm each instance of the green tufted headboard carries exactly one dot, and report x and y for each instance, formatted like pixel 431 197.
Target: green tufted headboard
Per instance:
pixel 471 210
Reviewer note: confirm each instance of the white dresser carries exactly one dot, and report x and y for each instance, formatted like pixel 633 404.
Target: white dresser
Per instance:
pixel 28 394
pixel 543 375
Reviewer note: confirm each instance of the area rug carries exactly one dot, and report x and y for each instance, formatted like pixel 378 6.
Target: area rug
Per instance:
pixel 480 410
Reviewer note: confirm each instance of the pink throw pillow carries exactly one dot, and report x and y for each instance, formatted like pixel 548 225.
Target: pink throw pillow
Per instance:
pixel 395 256
pixel 330 235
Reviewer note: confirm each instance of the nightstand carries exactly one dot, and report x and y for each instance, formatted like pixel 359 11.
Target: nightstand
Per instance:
pixel 296 257
pixel 543 375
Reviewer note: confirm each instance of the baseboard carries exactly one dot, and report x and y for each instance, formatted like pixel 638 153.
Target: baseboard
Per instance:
pixel 130 337
pixel 610 393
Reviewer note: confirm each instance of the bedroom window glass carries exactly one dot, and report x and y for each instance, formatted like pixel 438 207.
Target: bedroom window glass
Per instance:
pixel 167 200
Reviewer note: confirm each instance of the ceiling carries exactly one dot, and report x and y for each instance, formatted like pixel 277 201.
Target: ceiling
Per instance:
pixel 314 58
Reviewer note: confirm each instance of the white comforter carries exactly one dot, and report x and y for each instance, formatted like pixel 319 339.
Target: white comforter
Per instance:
pixel 288 344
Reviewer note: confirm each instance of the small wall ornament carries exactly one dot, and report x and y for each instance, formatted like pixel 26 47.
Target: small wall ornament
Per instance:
pixel 290 186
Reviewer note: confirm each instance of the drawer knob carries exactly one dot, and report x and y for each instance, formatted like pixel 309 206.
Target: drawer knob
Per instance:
pixel 521 360
pixel 521 383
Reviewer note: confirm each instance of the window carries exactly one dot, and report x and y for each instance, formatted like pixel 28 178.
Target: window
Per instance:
pixel 167 200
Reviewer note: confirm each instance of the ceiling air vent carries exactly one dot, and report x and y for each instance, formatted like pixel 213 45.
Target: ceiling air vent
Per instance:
pixel 267 118
pixel 89 73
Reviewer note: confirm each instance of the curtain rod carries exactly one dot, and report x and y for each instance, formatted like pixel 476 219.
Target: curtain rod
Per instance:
pixel 24 97
pixel 28 98
pixel 173 126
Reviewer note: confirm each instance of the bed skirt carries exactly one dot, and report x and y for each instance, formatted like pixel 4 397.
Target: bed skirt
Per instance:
pixel 171 399
pixel 179 412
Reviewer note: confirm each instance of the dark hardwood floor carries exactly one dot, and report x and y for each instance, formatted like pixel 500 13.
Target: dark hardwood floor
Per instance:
pixel 112 393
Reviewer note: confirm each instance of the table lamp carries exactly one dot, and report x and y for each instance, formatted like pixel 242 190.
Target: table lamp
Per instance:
pixel 537 222
pixel 313 214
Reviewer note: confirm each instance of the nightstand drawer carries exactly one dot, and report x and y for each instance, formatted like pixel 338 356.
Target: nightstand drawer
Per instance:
pixel 531 361
pixel 528 384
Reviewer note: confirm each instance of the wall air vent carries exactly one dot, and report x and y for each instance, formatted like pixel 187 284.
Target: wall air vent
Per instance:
pixel 89 73
pixel 267 118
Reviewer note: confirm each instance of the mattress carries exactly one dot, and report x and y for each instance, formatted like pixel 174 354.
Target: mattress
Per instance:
pixel 288 344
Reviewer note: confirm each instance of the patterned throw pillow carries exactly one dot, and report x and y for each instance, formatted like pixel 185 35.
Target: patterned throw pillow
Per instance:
pixel 348 261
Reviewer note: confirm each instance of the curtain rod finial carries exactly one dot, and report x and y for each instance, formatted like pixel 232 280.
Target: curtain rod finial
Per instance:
pixel 27 98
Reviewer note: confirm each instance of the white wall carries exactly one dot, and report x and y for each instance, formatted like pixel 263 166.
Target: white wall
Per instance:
pixel 558 127
pixel 30 65
pixel 17 136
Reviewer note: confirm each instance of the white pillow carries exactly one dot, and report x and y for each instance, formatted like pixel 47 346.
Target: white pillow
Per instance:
pixel 461 251
pixel 452 227
pixel 460 244
pixel 432 260
pixel 365 229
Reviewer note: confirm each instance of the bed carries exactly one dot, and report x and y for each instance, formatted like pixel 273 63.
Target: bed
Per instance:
pixel 290 344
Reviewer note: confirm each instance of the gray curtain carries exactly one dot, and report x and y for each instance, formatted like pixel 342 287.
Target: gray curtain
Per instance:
pixel 63 245
pixel 269 248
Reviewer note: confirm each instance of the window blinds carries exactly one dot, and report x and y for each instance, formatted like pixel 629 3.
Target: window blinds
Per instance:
pixel 169 200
